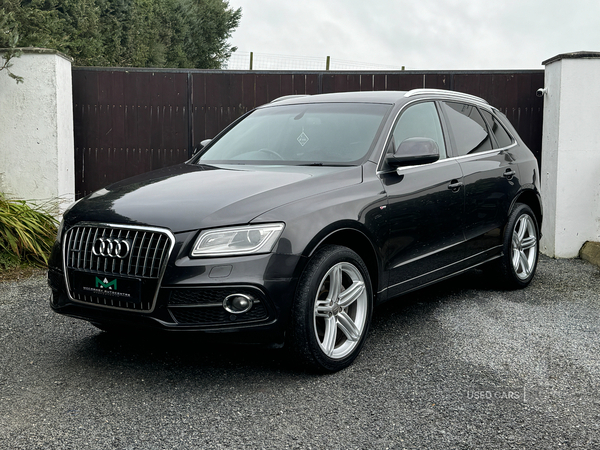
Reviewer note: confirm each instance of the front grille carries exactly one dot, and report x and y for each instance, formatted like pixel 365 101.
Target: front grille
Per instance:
pixel 144 260
pixel 142 255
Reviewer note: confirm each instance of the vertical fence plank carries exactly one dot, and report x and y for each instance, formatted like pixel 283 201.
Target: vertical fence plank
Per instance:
pixel 286 81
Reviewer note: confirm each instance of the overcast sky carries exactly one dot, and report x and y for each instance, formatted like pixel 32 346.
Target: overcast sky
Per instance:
pixel 420 34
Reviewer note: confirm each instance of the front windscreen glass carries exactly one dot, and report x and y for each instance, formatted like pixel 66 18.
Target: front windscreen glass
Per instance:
pixel 318 133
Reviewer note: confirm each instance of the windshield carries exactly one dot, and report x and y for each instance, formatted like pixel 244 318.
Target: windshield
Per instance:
pixel 318 133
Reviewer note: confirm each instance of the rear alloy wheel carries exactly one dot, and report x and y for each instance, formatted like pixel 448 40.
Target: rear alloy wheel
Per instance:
pixel 521 247
pixel 332 309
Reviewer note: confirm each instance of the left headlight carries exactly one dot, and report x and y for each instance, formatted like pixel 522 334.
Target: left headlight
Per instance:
pixel 246 240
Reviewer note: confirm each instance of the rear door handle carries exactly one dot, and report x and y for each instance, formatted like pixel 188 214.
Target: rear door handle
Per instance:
pixel 455 185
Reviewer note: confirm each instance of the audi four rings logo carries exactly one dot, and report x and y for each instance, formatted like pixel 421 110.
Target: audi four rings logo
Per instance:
pixel 111 247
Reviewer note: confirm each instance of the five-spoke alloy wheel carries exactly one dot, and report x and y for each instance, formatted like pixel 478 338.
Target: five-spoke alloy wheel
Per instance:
pixel 520 248
pixel 332 309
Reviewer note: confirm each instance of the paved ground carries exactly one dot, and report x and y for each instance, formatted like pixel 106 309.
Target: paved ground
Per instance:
pixel 458 365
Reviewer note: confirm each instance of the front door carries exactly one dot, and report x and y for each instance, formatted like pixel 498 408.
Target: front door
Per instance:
pixel 425 208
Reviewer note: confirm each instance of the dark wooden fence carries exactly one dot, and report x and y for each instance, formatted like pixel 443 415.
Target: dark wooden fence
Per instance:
pixel 130 121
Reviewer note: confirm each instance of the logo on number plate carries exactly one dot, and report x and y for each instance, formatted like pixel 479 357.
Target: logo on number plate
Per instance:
pixel 106 284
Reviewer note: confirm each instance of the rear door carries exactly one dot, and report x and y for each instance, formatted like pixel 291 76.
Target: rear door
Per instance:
pixel 491 179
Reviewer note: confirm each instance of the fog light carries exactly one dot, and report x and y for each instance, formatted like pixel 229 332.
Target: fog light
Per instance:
pixel 238 303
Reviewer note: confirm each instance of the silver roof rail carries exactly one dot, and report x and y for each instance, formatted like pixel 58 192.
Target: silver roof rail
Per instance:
pixel 453 94
pixel 285 97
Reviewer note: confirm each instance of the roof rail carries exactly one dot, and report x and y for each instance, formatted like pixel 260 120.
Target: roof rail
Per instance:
pixel 285 97
pixel 454 94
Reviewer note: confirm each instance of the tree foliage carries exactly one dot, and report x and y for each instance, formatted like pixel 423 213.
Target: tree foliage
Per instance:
pixel 125 33
pixel 8 42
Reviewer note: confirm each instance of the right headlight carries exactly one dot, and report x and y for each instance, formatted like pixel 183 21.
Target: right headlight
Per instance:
pixel 245 240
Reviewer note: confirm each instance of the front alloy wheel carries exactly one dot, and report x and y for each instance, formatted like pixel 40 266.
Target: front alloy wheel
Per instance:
pixel 340 311
pixel 332 309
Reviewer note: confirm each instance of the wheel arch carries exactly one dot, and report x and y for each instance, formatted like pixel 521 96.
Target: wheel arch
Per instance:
pixel 358 242
pixel 532 199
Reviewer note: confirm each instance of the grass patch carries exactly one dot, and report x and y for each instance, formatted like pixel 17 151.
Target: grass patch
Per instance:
pixel 27 233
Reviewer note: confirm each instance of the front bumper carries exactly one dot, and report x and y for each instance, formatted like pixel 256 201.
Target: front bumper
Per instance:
pixel 191 295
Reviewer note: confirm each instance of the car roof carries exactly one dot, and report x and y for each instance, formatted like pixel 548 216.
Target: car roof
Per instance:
pixel 390 97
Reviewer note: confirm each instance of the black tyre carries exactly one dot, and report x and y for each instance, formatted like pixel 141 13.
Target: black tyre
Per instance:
pixel 332 309
pixel 520 247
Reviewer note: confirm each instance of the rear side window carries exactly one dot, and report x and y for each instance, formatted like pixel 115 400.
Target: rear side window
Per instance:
pixel 502 137
pixel 468 128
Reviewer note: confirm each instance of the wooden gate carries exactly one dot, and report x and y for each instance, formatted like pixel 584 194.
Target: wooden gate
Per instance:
pixel 130 121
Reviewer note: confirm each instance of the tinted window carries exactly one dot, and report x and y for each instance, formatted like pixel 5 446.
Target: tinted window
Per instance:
pixel 502 137
pixel 420 120
pixel 318 133
pixel 468 128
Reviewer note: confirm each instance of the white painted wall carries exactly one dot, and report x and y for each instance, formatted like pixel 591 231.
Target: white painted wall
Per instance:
pixel 36 129
pixel 571 154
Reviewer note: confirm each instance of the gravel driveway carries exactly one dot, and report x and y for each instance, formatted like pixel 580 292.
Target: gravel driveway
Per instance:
pixel 458 365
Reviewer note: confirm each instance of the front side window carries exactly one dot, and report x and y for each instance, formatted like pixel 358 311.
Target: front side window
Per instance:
pixel 305 134
pixel 468 128
pixel 420 120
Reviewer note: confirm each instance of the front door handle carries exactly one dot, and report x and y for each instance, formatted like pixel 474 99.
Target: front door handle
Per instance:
pixel 509 173
pixel 455 185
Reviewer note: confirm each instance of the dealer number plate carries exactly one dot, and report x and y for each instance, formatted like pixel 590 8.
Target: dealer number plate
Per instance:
pixel 117 288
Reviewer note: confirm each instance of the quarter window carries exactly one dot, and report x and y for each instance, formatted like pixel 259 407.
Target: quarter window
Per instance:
pixel 468 128
pixel 502 137
pixel 421 120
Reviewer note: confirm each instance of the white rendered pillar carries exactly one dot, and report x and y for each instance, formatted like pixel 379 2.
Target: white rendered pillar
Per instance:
pixel 37 159
pixel 571 153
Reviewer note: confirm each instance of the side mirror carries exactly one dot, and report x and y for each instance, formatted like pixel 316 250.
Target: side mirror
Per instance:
pixel 201 145
pixel 415 151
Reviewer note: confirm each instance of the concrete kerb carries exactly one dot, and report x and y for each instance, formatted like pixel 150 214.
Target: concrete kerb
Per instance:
pixel 591 252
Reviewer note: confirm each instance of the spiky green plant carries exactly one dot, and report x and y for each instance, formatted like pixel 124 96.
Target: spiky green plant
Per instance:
pixel 27 233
